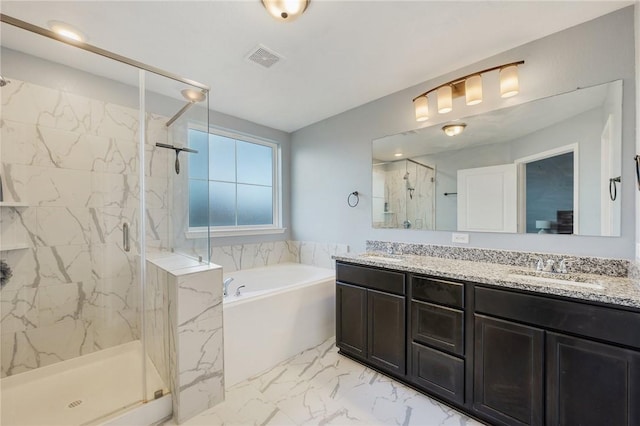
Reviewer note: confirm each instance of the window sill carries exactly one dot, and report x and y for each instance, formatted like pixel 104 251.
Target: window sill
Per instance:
pixel 216 233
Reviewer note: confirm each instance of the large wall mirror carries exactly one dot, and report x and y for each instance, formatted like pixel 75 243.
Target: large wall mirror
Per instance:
pixel 550 166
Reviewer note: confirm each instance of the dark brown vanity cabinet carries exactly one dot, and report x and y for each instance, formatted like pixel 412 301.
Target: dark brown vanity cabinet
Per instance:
pixel 506 356
pixel 370 316
pixel 437 337
pixel 508 371
pixel 590 383
pixel 543 360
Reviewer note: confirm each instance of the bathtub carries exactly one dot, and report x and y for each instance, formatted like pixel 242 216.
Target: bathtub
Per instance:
pixel 282 310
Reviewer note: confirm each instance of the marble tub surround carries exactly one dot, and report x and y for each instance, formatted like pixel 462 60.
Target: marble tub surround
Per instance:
pixel 194 334
pixel 615 290
pixel 321 387
pixel 71 162
pixel 248 256
pixel 521 259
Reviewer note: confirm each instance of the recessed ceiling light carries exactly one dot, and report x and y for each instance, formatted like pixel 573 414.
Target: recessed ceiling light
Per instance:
pixel 397 154
pixel 66 31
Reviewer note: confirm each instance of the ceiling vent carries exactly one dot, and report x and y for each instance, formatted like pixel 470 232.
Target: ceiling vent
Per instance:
pixel 264 56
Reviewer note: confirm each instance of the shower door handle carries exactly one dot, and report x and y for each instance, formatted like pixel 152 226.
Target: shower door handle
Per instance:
pixel 125 237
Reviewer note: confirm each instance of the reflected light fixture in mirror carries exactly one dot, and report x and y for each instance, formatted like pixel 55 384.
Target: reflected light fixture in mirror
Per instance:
pixel 454 129
pixel 285 10
pixel 66 30
pixel 469 86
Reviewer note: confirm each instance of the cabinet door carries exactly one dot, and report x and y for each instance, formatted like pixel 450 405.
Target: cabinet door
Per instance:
pixel 386 343
pixel 591 383
pixel 508 371
pixel 351 319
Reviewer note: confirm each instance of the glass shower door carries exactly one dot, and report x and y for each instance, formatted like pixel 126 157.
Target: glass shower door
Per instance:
pixel 71 234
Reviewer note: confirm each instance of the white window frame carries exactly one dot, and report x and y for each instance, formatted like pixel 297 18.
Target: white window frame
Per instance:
pixel 245 230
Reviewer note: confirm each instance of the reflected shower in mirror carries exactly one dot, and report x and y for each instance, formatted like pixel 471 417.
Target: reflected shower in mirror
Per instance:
pixel 543 167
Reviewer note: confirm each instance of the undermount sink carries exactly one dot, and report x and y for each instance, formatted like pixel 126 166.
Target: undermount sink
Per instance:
pixel 558 279
pixel 375 256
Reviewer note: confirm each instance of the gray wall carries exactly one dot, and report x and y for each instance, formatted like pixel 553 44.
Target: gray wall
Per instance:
pixel 39 71
pixel 332 158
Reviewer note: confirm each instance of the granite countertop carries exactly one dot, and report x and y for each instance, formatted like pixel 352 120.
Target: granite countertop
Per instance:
pixel 601 288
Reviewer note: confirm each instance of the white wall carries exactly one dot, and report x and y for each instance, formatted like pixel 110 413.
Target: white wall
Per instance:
pixel 332 158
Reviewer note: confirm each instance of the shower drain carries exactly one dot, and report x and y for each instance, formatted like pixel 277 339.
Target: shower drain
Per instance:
pixel 74 404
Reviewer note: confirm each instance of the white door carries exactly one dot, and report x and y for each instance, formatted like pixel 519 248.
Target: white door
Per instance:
pixel 488 199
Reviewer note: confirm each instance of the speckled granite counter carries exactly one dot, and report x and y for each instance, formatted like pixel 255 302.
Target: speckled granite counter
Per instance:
pixel 615 290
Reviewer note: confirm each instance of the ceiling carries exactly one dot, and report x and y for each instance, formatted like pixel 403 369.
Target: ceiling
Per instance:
pixel 337 56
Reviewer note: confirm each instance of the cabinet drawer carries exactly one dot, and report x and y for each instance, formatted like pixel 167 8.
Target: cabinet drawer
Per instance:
pixel 599 322
pixel 437 291
pixel 437 372
pixel 377 279
pixel 437 326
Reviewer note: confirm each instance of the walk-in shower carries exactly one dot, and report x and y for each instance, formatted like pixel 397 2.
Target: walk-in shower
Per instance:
pixel 84 336
pixel 403 194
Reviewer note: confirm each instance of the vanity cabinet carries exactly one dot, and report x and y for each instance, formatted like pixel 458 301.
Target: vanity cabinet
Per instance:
pixel 437 337
pixel 590 383
pixel 508 371
pixel 370 316
pixel 505 356
pixel 542 360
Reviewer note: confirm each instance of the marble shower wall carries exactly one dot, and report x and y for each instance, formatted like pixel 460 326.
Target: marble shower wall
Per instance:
pixel 247 256
pixel 73 162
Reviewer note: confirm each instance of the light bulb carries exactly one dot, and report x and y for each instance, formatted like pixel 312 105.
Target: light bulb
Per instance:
pixel 421 105
pixel 509 85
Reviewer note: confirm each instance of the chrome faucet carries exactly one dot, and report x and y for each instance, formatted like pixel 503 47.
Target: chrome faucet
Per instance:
pixel 226 283
pixel 549 267
pixel 238 290
pixel 562 267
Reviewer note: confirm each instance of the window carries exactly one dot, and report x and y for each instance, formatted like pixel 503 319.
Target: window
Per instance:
pixel 235 188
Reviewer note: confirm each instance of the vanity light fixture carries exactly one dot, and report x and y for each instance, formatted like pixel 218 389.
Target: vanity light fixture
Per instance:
pixel 454 129
pixel 66 31
pixel 469 86
pixel 285 10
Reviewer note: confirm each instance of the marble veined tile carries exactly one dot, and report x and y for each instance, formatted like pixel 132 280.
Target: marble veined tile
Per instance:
pixel 321 387
pixel 18 142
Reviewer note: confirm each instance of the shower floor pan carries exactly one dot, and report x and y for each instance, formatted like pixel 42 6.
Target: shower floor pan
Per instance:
pixel 90 389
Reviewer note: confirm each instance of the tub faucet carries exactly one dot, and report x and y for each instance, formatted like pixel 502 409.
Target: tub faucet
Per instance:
pixel 226 283
pixel 238 290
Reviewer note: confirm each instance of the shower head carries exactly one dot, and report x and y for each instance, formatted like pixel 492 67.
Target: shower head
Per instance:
pixel 193 95
pixel 3 81
pixel 406 176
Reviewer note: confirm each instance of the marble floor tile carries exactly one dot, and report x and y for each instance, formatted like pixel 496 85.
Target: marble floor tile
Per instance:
pixel 321 387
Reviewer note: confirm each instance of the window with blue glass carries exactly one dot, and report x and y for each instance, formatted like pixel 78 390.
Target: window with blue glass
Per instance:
pixel 234 186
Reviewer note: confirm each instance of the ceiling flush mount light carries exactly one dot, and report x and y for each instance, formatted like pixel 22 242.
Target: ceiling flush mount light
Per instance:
pixel 469 86
pixel 66 31
pixel 285 10
pixel 453 129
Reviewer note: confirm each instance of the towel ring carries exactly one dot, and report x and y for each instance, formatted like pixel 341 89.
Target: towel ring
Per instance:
pixel 353 196
pixel 613 189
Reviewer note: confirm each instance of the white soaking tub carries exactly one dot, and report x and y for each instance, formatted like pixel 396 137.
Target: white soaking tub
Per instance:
pixel 282 310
